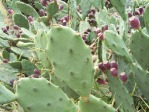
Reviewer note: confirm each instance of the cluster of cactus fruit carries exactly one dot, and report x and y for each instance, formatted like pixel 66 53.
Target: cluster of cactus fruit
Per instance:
pixel 61 56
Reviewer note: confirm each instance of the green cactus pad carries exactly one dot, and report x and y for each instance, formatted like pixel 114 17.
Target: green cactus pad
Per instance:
pixel 119 91
pixel 116 44
pixel 120 6
pixel 21 21
pixel 146 17
pixel 138 45
pixel 142 79
pixel 40 46
pixel 52 9
pixel 85 7
pixel 64 87
pixel 94 104
pixel 28 67
pixel 27 9
pixel 73 13
pixel 7 73
pixel 6 95
pixel 71 59
pixel 39 95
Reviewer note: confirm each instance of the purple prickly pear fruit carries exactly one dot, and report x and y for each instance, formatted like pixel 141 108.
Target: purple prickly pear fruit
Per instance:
pixel 113 72
pixel 35 75
pixel 114 65
pixel 7 27
pixel 36 71
pixel 10 11
pixel 91 15
pixel 137 12
pixel 101 81
pixel 66 18
pixel 50 0
pixel 30 18
pixel 123 77
pixel 18 35
pixel 5 30
pixel 79 9
pixel 107 64
pixel 12 82
pixel 61 6
pixel 141 10
pixel 16 27
pixel 97 31
pixel 88 30
pixel 93 11
pixel 84 37
pixel 100 36
pixel 134 22
pixel 130 14
pixel 102 67
pixel 42 12
pixel 44 2
pixel 105 27
pixel 5 60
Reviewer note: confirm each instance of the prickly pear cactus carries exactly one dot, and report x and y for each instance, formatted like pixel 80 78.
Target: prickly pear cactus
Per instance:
pixel 120 6
pixel 27 9
pixel 30 90
pixel 146 18
pixel 138 44
pixel 120 93
pixel 18 18
pixel 94 104
pixel 6 95
pixel 68 53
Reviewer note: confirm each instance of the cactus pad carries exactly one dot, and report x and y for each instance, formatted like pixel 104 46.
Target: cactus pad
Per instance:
pixel 39 95
pixel 94 104
pixel 71 59
pixel 138 45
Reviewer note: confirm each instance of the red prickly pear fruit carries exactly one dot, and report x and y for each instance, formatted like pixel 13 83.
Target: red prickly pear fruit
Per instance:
pixel 66 18
pixel 123 77
pixel 18 35
pixel 107 64
pixel 102 67
pixel 7 27
pixel 12 82
pixel 113 72
pixel 134 22
pixel 10 11
pixel 30 18
pixel 137 12
pixel 91 15
pixel 5 30
pixel 93 11
pixel 44 2
pixel 105 27
pixel 97 31
pixel 16 27
pixel 42 12
pixel 88 30
pixel 101 81
pixel 35 75
pixel 141 10
pixel 114 65
pixel 5 60
pixel 61 6
pixel 36 71
pixel 100 36
pixel 84 37
pixel 130 14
